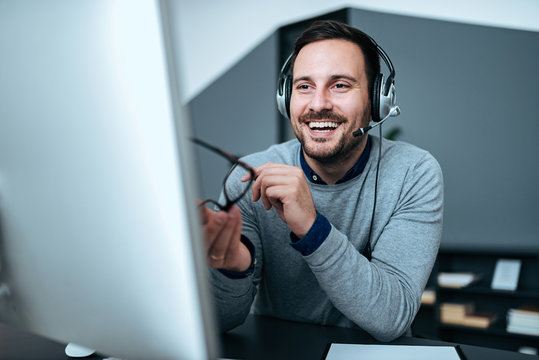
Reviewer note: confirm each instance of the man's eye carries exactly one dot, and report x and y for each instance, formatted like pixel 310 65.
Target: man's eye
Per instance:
pixel 304 88
pixel 341 86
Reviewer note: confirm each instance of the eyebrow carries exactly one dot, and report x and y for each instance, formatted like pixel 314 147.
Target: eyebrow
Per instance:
pixel 332 78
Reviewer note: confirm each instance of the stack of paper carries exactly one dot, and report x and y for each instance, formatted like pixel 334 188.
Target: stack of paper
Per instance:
pixel 456 279
pixel 428 297
pixel 454 312
pixel 480 319
pixel 523 320
pixel 462 313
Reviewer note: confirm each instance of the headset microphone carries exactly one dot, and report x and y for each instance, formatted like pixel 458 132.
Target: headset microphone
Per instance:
pixel 395 111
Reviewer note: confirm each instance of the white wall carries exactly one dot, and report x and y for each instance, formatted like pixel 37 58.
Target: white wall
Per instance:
pixel 215 34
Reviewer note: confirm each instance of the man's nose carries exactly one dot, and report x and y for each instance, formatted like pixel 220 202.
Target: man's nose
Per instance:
pixel 321 100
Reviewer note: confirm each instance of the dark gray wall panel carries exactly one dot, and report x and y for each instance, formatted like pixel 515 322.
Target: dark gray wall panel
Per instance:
pixel 468 94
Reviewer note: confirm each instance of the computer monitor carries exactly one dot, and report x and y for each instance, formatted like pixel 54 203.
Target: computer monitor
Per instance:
pixel 99 230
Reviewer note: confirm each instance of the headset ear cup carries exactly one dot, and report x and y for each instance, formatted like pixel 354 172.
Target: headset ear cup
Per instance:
pixel 284 91
pixel 376 93
pixel 287 94
pixel 284 88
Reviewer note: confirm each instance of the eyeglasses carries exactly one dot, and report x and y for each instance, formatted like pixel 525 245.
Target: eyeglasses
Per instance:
pixel 231 199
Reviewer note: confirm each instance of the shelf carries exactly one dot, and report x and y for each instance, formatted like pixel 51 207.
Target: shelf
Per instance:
pixel 505 251
pixel 481 290
pixel 484 298
pixel 492 330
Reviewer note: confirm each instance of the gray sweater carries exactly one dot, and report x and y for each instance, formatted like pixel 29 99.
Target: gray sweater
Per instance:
pixel 336 285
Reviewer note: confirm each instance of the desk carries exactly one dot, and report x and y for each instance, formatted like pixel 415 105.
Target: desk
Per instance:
pixel 258 338
pixel 268 338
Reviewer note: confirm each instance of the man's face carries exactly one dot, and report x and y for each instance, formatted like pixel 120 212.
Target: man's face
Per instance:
pixel 329 99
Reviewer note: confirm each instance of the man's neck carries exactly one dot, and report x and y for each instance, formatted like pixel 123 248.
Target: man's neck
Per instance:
pixel 334 171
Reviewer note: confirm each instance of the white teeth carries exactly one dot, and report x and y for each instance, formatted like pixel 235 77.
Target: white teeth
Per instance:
pixel 323 124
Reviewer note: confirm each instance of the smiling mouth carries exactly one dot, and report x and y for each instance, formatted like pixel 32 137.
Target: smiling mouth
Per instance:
pixel 323 126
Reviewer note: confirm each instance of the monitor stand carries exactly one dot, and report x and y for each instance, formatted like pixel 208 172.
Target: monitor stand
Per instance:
pixel 77 351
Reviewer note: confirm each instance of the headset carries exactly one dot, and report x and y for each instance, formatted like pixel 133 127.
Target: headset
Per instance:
pixel 383 97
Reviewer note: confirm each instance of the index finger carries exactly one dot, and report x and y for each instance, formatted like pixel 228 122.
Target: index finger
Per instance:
pixel 257 170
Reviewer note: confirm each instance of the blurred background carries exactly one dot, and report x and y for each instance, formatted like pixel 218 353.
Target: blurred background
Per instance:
pixel 466 80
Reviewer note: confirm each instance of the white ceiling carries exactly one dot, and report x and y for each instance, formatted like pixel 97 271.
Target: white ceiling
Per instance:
pixel 215 34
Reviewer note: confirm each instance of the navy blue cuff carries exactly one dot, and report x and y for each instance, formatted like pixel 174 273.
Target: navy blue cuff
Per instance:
pixel 314 237
pixel 243 274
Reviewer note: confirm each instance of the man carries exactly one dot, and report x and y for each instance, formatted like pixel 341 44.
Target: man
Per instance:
pixel 298 240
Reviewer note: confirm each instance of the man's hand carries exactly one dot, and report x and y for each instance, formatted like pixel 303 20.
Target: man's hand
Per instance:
pixel 285 188
pixel 222 231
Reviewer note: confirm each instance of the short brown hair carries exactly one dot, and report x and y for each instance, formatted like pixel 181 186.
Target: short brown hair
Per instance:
pixel 330 29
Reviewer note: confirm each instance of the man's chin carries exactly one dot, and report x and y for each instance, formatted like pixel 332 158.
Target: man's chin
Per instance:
pixel 321 153
pixel 330 150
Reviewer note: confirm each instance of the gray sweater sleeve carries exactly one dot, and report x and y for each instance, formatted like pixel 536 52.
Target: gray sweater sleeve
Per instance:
pixel 233 297
pixel 383 296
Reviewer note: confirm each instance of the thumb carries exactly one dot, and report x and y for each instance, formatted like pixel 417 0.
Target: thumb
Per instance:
pixel 205 213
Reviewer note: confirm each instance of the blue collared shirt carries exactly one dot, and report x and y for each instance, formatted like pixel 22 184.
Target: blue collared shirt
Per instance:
pixel 357 169
pixel 321 226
